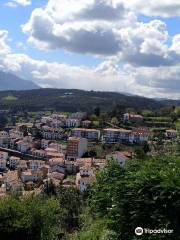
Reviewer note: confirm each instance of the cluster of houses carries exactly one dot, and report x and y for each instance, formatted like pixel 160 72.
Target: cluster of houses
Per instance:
pixel 18 176
pixel 62 120
pixel 50 160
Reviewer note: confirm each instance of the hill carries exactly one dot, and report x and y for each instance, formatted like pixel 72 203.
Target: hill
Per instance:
pixel 9 81
pixel 74 100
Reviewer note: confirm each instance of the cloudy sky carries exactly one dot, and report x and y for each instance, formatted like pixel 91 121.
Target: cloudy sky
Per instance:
pixel 116 45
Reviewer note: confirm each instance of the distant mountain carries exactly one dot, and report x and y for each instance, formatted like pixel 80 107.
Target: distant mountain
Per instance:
pixel 9 81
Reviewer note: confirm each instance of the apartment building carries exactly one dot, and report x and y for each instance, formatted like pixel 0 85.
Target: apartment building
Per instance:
pixel 35 164
pixel 76 147
pixel 52 133
pixel 71 123
pixel 23 146
pixel 90 134
pixel 111 135
pixel 141 135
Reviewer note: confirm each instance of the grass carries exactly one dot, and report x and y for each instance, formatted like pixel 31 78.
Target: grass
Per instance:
pixel 10 98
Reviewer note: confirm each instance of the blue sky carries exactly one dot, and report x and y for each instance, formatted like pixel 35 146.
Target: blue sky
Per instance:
pixel 21 16
pixel 94 44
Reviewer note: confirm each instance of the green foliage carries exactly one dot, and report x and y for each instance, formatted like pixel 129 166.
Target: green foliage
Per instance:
pixel 32 218
pixel 3 121
pixel 114 121
pixel 93 229
pixel 70 201
pixel 145 193
pixel 49 189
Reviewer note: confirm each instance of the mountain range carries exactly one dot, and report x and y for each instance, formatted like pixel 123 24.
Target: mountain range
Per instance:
pixel 9 81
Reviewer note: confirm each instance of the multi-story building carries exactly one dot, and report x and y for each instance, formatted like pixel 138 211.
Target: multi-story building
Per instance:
pixel 137 135
pixel 31 176
pixel 52 133
pixel 23 146
pixel 78 115
pixel 76 147
pixel 35 164
pixel 14 134
pixel 141 135
pixel 70 123
pixel 38 153
pixel 111 135
pixel 86 123
pixel 90 134
pixel 132 118
pixel 4 139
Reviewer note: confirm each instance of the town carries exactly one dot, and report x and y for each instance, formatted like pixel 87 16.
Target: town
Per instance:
pixel 68 149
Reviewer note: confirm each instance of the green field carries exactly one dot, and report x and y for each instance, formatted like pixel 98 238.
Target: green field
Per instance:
pixel 10 98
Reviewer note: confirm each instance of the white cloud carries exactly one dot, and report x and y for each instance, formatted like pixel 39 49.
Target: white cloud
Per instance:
pixel 102 28
pixel 176 44
pixel 15 3
pixel 4 47
pixel 162 8
pixel 79 26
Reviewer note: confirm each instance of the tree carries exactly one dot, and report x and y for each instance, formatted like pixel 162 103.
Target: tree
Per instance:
pixel 70 201
pixel 3 121
pixel 31 218
pixel 114 121
pixel 97 111
pixel 146 194
pixel 49 188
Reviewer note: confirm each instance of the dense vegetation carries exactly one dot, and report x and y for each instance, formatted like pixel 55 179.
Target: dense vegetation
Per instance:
pixel 62 99
pixel 45 217
pixel 144 193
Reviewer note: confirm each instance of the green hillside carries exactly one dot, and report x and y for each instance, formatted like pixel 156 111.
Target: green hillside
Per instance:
pixel 73 100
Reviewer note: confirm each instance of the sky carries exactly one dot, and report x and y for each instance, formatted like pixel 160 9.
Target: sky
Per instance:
pixel 107 45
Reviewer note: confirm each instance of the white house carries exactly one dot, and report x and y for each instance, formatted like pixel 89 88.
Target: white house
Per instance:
pixel 36 164
pixel 31 176
pixel 120 157
pixel 83 182
pixel 23 146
